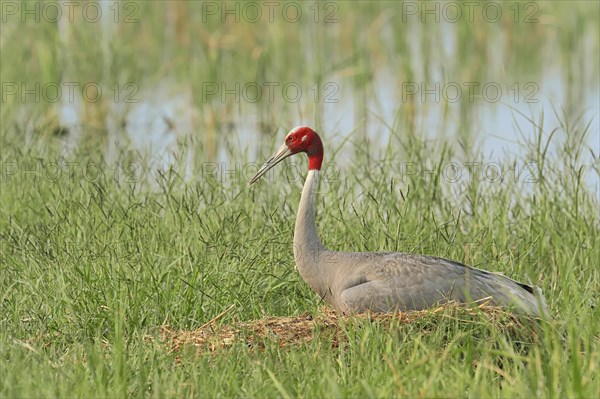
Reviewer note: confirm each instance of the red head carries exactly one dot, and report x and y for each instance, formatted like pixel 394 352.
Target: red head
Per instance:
pixel 299 139
pixel 304 139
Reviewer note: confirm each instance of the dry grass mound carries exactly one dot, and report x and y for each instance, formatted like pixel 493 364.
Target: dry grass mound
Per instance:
pixel 289 331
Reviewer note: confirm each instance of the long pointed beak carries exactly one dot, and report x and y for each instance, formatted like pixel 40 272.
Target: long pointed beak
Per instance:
pixel 282 153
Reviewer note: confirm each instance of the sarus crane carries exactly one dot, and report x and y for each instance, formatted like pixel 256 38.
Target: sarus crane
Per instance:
pixel 355 282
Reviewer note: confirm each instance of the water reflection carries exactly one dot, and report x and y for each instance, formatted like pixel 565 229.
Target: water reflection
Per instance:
pixel 383 66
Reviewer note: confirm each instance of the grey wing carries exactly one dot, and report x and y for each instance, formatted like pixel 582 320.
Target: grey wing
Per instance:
pixel 404 282
pixel 396 281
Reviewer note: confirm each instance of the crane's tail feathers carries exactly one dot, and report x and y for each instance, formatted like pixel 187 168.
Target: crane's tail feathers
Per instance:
pixel 531 302
pixel 542 306
pixel 527 299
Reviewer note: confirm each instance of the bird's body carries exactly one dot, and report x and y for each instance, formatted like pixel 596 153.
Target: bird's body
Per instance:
pixel 386 281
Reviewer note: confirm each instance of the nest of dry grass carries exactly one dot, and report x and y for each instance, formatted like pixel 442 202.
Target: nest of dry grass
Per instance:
pixel 289 331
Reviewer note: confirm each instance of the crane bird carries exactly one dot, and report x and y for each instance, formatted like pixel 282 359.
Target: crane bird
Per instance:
pixel 385 281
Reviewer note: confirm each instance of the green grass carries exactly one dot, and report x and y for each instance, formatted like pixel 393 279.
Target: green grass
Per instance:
pixel 91 268
pixel 95 257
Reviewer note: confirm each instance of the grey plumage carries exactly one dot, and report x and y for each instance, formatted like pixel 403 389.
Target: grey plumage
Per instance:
pixel 389 281
pixel 386 281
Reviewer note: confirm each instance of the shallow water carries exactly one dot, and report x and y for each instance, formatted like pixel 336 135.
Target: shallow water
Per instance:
pixel 476 75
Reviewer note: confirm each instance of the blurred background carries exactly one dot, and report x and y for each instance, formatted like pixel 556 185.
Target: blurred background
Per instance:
pixel 182 83
pixel 128 131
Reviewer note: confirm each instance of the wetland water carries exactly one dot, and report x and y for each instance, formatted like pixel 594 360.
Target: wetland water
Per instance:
pixel 484 76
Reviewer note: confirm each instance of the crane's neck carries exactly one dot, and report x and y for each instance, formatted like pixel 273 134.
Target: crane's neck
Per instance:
pixel 308 249
pixel 305 234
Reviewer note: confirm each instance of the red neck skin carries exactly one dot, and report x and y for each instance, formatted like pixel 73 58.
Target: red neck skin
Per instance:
pixel 315 154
